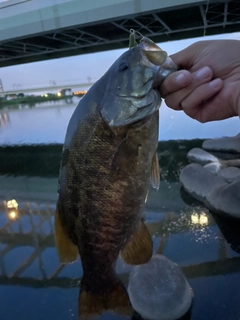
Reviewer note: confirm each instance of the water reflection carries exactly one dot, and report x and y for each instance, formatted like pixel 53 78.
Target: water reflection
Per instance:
pixel 34 283
pixel 28 257
pixel 11 209
pixel 37 123
pixel 4 119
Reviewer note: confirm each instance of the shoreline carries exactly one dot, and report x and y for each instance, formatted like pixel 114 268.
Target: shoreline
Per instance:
pixel 32 100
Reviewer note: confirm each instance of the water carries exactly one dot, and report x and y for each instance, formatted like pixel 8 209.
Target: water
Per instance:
pixel 33 283
pixel 47 123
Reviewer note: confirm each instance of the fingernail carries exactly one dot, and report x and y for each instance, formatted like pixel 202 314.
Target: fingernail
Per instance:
pixel 202 73
pixel 215 84
pixel 180 78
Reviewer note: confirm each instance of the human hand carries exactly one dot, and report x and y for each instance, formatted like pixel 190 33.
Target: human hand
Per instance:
pixel 209 87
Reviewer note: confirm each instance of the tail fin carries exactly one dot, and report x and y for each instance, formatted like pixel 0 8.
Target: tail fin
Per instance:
pixel 93 304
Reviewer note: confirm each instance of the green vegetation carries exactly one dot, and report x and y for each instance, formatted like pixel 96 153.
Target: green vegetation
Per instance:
pixel 30 160
pixel 44 160
pixel 31 100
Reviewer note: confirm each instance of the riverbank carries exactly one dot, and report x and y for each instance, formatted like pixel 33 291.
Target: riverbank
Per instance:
pixel 31 100
pixel 44 160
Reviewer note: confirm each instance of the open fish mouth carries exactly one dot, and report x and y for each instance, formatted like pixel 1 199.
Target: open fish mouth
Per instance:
pixel 152 51
pixel 156 58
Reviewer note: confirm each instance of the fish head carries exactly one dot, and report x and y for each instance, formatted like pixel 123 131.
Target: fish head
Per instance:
pixel 130 92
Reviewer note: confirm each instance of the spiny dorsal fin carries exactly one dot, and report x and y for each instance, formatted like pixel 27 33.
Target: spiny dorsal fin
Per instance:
pixel 138 249
pixel 155 172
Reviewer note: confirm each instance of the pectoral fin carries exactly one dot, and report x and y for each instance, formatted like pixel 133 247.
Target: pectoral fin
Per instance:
pixel 67 251
pixel 155 172
pixel 138 249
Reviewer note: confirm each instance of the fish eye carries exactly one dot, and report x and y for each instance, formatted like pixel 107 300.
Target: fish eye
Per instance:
pixel 123 66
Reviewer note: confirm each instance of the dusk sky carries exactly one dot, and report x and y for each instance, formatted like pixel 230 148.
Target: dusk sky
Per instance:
pixel 77 69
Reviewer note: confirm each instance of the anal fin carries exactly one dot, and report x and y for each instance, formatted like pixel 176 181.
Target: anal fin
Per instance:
pixel 139 247
pixel 155 172
pixel 67 251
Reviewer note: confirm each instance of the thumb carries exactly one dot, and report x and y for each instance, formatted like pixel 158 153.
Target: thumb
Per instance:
pixel 185 58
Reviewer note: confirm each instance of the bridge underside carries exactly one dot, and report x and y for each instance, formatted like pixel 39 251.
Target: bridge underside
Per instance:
pixel 177 23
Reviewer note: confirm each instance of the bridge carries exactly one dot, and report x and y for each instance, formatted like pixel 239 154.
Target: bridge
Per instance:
pixel 32 30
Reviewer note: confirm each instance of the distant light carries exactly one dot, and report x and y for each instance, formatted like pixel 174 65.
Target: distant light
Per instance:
pixel 59 94
pixel 46 95
pixel 12 215
pixel 80 92
pixel 12 204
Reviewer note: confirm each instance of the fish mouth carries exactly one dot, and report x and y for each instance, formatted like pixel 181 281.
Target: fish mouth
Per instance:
pixel 157 59
pixel 153 52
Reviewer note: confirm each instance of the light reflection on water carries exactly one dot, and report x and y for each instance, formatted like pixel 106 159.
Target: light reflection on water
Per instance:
pixel 47 124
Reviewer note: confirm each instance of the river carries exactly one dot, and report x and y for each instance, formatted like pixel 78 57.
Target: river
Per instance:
pixel 47 123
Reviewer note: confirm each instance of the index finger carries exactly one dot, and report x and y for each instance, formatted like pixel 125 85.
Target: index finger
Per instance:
pixel 174 82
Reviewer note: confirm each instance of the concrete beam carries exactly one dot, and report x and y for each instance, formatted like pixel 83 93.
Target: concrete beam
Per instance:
pixel 29 17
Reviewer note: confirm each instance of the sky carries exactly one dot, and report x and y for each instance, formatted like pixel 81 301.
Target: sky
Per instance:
pixel 77 69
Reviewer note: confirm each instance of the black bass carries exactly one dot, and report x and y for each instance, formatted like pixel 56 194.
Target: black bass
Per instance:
pixel 109 158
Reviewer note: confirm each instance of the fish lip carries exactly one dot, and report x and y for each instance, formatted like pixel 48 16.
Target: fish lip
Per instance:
pixel 169 65
pixel 155 86
pixel 162 70
pixel 134 97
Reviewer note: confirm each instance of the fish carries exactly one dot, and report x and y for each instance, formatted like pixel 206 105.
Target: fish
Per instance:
pixel 109 159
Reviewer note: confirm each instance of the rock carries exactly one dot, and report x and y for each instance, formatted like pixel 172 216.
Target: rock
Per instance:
pixel 226 144
pixel 225 199
pixel 214 167
pixel 229 174
pixel 199 182
pixel 159 290
pixel 201 156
